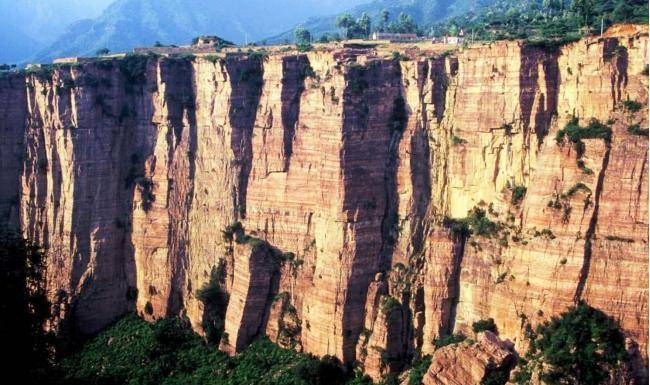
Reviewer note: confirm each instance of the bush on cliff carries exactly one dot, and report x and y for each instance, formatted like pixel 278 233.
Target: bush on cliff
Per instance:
pixel 476 223
pixel 169 353
pixel 419 368
pixel 581 346
pixel 484 325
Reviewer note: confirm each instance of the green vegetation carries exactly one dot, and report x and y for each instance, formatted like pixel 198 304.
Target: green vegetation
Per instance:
pixel 24 309
pixel 632 106
pixel 304 47
pixel 578 187
pixel 456 141
pixel 259 55
pixel 356 78
pixel 576 133
pixel 102 52
pixel 217 42
pixel 518 194
pixel 475 223
pixel 215 300
pixel 354 29
pixel 581 346
pixel 419 368
pixel 484 325
pixel 389 304
pixel 169 353
pixel 546 24
pixel 496 377
pixel 301 36
pixel 449 340
pixel 636 129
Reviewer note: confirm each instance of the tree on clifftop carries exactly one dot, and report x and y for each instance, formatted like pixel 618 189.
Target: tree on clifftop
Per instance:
pixel 301 36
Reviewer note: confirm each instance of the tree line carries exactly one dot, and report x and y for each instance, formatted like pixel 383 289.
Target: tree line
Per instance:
pixel 502 19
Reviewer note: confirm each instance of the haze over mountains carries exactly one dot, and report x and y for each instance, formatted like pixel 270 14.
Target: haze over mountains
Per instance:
pixel 424 12
pixel 42 30
pixel 30 25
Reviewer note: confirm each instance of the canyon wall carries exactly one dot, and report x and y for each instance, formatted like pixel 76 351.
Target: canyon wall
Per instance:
pixel 342 174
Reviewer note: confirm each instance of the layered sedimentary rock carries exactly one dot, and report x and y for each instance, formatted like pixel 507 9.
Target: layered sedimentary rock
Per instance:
pixel 351 168
pixel 469 363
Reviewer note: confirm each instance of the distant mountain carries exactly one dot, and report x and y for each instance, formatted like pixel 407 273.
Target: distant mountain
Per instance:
pixel 130 23
pixel 29 25
pixel 424 12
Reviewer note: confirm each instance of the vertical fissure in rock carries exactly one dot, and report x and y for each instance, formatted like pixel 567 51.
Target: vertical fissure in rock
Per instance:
pixel 591 230
pixel 294 70
pixel 440 83
pixel 420 165
pixel 616 53
pixel 530 60
pixel 246 79
pixel 448 325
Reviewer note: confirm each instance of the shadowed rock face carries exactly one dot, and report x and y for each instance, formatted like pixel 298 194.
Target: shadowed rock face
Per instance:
pixel 345 164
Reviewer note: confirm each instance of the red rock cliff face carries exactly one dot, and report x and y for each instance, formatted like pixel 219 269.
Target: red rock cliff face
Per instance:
pixel 343 165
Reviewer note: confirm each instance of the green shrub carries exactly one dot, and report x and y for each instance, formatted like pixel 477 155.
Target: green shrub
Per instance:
pixel 455 140
pixel 495 377
pixel 356 78
pixel 134 352
pixel 304 47
pixel 575 133
pixel 214 297
pixel 259 55
pixel 632 106
pixel 388 304
pixel 419 368
pixel 212 58
pixel 475 223
pixel 449 340
pixel 581 346
pixel 518 194
pixel 635 129
pixel 484 325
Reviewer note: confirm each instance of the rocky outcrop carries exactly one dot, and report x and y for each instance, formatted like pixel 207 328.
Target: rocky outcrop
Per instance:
pixel 358 174
pixel 253 262
pixel 470 362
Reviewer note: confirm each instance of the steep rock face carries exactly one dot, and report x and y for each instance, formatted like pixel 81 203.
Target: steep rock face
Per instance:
pixel 353 169
pixel 13 114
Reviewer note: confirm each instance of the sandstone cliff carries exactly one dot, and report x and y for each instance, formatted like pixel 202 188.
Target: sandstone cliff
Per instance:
pixel 346 170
